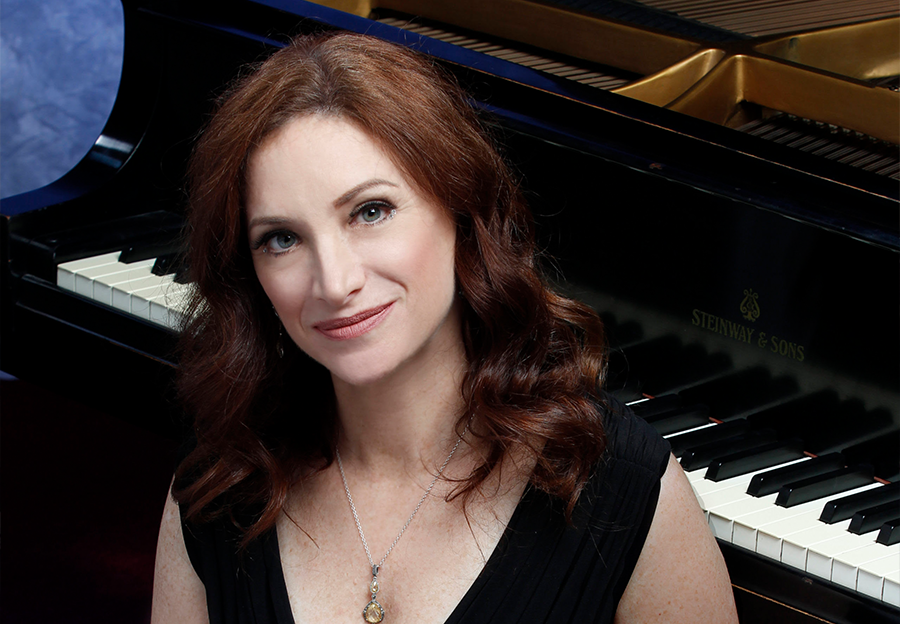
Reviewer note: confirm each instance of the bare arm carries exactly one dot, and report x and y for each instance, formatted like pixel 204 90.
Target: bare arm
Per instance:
pixel 680 575
pixel 178 593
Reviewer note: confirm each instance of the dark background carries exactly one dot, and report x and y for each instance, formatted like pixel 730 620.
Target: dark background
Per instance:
pixel 81 492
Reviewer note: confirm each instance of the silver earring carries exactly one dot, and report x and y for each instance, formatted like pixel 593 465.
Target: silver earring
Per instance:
pixel 279 344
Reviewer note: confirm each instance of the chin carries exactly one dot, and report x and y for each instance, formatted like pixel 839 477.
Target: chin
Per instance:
pixel 359 369
pixel 359 378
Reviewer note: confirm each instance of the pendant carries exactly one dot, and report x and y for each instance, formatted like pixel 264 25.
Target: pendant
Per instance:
pixel 373 613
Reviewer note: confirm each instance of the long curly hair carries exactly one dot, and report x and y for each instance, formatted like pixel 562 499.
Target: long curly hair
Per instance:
pixel 264 418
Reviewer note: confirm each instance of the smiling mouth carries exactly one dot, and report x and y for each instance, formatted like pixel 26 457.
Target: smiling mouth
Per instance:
pixel 353 326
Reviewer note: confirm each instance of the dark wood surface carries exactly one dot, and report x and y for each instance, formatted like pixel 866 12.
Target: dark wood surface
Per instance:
pixel 81 494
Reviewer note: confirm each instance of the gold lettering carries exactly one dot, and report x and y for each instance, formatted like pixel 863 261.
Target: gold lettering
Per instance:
pixel 742 333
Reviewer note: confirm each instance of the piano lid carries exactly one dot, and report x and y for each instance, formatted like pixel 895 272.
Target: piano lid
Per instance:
pixel 822 79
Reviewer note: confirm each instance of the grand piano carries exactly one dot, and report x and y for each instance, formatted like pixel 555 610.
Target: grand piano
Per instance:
pixel 720 180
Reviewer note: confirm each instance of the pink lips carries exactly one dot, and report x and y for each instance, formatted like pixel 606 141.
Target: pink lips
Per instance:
pixel 353 326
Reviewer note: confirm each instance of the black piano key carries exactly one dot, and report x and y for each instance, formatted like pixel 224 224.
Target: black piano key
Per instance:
pixel 172 264
pixel 680 419
pixel 882 451
pixel 149 249
pixel 165 265
pixel 666 364
pixel 680 443
pixel 843 508
pixel 656 406
pixel 871 519
pixel 825 422
pixel 889 534
pixel 702 456
pixel 823 486
pixel 751 460
pixel 771 481
pixel 626 391
pixel 693 366
pixel 741 393
pixel 628 368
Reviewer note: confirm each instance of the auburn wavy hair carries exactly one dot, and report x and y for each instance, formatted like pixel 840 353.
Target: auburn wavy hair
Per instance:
pixel 263 418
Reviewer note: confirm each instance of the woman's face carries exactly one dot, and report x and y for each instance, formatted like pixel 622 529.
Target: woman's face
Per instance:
pixel 358 265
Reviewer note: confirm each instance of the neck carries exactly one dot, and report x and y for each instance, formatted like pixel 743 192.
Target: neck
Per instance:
pixel 403 423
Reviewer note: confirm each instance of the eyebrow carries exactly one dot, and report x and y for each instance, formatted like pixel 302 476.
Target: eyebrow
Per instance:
pixel 347 197
pixel 266 221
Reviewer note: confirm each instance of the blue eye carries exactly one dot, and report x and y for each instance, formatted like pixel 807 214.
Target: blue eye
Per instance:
pixel 372 213
pixel 283 241
pixel 276 243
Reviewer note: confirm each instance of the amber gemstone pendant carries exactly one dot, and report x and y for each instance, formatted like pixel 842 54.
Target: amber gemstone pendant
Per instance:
pixel 373 612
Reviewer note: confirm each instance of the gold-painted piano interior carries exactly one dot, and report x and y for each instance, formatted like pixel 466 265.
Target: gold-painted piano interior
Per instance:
pixel 821 76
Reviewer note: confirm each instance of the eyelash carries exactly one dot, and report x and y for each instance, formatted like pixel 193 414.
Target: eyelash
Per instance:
pixel 384 206
pixel 264 240
pixel 380 204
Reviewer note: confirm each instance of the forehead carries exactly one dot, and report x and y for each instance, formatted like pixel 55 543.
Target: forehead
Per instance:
pixel 315 151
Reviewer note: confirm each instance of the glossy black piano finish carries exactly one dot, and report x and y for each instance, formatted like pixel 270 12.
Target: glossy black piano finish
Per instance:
pixel 730 254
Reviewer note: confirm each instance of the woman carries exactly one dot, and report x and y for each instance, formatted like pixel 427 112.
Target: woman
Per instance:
pixel 396 419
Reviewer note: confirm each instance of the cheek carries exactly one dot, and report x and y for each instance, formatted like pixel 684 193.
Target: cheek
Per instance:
pixel 433 261
pixel 284 289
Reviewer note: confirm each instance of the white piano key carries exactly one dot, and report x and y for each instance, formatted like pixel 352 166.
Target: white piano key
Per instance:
pixel 704 487
pixel 721 514
pixel 66 271
pixel 820 557
pixel 166 307
pixel 746 528
pixel 141 294
pixel 770 537
pixel 695 475
pixel 121 293
pixel 130 287
pixel 846 568
pixel 697 428
pixel 721 519
pixel 769 541
pixel 891 592
pixel 881 579
pixel 718 497
pixel 796 546
pixel 94 282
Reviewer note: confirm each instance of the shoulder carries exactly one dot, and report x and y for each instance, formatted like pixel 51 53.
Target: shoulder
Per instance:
pixel 680 575
pixel 178 593
pixel 632 443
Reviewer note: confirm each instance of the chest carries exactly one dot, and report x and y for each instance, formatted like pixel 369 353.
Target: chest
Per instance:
pixel 427 573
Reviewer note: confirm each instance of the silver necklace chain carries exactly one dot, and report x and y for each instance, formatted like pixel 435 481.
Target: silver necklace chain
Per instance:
pixel 362 536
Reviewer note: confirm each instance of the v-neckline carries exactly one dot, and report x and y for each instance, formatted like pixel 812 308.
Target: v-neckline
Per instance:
pixel 279 585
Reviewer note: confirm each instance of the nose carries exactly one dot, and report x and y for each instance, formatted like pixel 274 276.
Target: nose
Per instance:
pixel 339 274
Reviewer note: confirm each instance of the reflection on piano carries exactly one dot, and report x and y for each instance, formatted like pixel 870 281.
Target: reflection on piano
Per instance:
pixel 718 179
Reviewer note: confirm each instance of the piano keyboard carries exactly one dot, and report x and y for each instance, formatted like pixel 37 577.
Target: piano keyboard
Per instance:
pixel 132 288
pixel 778 527
pixel 722 461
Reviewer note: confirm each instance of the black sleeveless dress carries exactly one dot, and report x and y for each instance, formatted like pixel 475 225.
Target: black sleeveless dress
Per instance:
pixel 542 570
